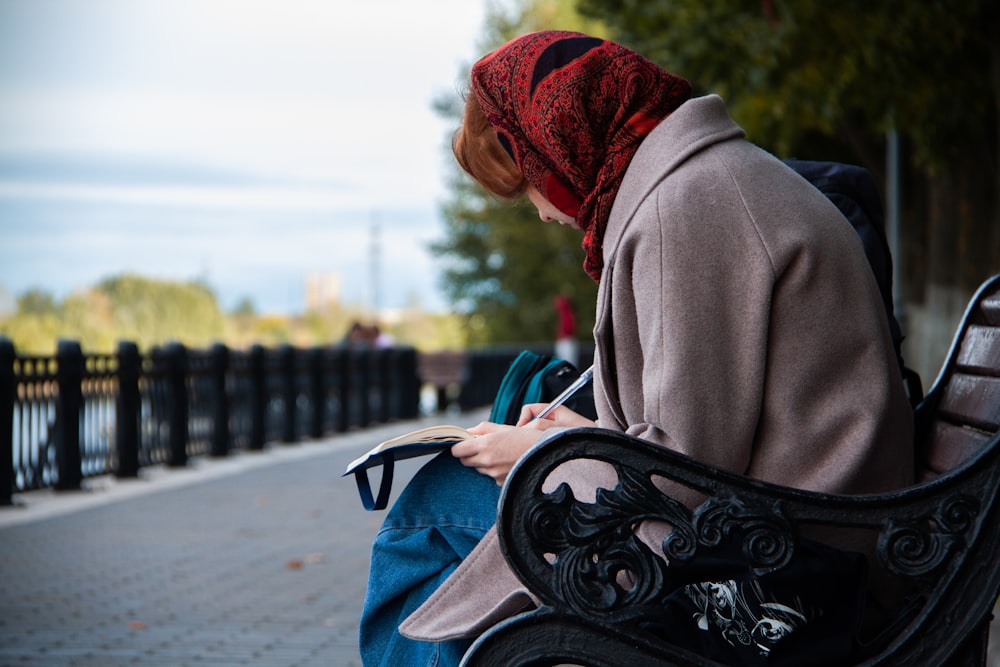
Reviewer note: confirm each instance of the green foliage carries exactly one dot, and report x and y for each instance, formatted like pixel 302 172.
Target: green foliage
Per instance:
pixel 127 307
pixel 827 81
pixel 87 316
pixel 245 308
pixel 524 16
pixel 36 302
pixel 151 312
pixel 31 334
pixel 848 71
pixel 504 266
pixel 507 266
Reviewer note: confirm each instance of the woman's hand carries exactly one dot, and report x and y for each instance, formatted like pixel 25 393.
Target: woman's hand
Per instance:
pixel 496 449
pixel 562 417
pixel 499 446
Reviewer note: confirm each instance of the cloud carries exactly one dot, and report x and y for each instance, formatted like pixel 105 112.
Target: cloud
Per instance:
pixel 281 199
pixel 371 149
pixel 191 136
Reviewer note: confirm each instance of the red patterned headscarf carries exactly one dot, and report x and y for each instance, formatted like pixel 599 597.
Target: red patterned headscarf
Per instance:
pixel 572 110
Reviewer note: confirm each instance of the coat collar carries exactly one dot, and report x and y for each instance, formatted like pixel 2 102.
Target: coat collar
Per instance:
pixel 695 125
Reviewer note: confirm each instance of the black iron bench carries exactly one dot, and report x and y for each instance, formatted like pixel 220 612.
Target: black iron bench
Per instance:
pixel 941 537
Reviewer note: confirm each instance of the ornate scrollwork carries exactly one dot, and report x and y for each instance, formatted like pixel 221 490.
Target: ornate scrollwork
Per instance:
pixel 768 547
pixel 958 514
pixel 589 579
pixel 546 520
pixel 918 548
pixel 911 550
pixel 601 567
pixel 768 539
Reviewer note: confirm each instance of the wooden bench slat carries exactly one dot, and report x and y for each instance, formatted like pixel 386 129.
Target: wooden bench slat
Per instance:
pixel 990 308
pixel 950 447
pixel 972 400
pixel 441 368
pixel 980 351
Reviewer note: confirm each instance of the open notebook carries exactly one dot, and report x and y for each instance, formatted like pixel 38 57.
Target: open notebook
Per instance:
pixel 422 442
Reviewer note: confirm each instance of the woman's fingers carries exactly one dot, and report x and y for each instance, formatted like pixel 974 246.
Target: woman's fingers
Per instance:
pixel 562 417
pixel 496 449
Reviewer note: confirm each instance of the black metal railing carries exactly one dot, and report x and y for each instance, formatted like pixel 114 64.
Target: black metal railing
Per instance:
pixel 71 416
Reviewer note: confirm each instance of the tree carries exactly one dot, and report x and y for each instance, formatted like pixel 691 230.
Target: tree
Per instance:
pixel 86 316
pixel 503 266
pixel 245 308
pixel 31 334
pixel 829 80
pixel 507 266
pixel 128 307
pixel 36 302
pixel 822 80
pixel 848 71
pixel 153 312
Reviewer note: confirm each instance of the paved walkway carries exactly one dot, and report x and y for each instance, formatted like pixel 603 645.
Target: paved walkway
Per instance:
pixel 256 559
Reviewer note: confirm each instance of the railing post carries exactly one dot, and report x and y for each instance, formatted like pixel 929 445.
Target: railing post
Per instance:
pixel 8 394
pixel 127 410
pixel 220 408
pixel 363 366
pixel 380 378
pixel 288 389
pixel 317 390
pixel 343 363
pixel 69 377
pixel 405 383
pixel 258 398
pixel 176 356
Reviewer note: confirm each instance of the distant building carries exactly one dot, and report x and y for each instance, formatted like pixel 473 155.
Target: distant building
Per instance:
pixel 322 291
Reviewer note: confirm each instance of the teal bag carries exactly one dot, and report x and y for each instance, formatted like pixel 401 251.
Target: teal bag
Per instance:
pixel 534 378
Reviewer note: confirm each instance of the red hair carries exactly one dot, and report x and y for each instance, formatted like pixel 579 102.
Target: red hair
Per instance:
pixel 481 155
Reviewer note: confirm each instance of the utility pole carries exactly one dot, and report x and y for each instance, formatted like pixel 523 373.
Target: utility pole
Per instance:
pixel 892 222
pixel 375 256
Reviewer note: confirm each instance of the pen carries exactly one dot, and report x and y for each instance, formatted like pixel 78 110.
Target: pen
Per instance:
pixel 567 393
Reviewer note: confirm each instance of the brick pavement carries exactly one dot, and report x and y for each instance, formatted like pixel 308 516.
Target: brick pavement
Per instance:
pixel 256 559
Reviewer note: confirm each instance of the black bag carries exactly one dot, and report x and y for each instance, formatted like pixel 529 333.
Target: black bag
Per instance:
pixel 804 615
pixel 853 191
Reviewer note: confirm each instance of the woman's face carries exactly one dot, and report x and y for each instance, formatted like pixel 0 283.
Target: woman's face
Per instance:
pixel 547 211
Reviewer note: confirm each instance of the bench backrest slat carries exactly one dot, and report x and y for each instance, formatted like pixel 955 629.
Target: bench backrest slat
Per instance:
pixel 990 308
pixel 967 403
pixel 953 445
pixel 980 352
pixel 973 400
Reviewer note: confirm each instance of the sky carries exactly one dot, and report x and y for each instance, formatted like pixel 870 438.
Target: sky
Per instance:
pixel 244 143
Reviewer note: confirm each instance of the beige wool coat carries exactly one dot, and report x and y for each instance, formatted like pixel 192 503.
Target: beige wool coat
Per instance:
pixel 738 322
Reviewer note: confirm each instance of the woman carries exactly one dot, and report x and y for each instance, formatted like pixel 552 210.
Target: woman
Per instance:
pixel 738 321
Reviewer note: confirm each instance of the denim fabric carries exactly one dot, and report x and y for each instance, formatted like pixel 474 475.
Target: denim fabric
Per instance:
pixel 438 519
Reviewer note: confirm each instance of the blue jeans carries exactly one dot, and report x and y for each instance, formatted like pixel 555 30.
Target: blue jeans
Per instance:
pixel 438 519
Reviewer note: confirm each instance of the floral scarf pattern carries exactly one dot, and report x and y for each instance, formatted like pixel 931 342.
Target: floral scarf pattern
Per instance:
pixel 571 110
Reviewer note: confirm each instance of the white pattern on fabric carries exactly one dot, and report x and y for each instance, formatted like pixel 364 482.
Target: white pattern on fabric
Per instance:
pixel 743 615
